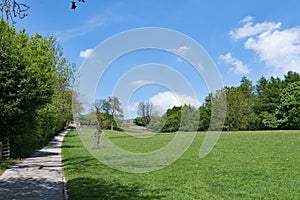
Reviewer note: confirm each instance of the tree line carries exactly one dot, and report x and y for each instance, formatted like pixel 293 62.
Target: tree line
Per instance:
pixel 272 103
pixel 35 85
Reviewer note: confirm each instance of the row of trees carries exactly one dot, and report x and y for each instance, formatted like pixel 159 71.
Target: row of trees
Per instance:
pixel 35 85
pixel 270 104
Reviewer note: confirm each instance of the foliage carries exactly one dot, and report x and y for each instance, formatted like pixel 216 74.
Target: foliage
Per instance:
pixel 270 104
pixel 139 121
pixel 178 118
pixel 288 111
pixel 205 113
pixel 247 165
pixel 108 112
pixel 35 82
pixel 172 119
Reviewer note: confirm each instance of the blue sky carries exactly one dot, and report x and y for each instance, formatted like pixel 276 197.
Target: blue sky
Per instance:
pixel 244 38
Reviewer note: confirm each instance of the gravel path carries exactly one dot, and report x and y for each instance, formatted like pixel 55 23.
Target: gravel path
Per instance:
pixel 38 177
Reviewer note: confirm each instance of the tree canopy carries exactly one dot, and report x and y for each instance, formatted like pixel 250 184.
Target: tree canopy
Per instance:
pixel 269 104
pixel 35 85
pixel 108 111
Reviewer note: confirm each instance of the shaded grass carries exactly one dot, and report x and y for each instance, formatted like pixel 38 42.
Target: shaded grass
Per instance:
pixel 5 164
pixel 243 165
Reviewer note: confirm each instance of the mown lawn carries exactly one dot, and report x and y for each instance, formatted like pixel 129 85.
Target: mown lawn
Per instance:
pixel 243 165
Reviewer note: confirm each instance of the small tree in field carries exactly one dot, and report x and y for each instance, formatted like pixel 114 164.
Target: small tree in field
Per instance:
pixel 108 110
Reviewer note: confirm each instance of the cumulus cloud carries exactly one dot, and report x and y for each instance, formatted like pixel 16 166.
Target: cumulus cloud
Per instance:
pixel 165 100
pixel 87 53
pixel 250 29
pixel 162 101
pixel 279 49
pixel 237 66
pixel 133 108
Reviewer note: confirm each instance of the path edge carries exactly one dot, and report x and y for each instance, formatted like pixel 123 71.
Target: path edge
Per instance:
pixel 64 180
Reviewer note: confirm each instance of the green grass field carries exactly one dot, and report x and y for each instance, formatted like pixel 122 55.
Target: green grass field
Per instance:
pixel 243 165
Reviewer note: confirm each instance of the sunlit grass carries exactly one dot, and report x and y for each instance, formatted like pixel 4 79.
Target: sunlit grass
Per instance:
pixel 243 165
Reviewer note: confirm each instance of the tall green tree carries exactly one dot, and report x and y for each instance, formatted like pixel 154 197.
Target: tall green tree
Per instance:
pixel 266 101
pixel 172 119
pixel 205 114
pixel 189 118
pixel 288 111
pixel 35 85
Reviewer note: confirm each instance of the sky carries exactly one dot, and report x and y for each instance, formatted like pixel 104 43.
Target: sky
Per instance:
pixel 242 38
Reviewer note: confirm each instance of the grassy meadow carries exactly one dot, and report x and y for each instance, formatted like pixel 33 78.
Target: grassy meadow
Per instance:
pixel 243 165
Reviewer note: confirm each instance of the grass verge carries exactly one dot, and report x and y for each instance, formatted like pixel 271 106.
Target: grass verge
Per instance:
pixel 5 164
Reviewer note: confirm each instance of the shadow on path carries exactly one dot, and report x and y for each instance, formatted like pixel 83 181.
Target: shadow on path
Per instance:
pixel 37 177
pixel 30 188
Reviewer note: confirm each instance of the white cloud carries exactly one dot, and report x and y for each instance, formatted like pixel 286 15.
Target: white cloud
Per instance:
pixel 87 53
pixel 237 66
pixel 181 50
pixel 248 29
pixel 162 101
pixel 246 19
pixel 165 100
pixel 278 49
pixel 133 108
pixel 140 82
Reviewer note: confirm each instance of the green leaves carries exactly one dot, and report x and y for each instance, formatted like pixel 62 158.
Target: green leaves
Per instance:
pixel 108 111
pixel 288 111
pixel 35 85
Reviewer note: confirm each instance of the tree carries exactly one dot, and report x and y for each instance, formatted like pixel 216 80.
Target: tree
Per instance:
pixel 27 78
pixel 205 114
pixel 238 108
pixel 189 119
pixel 139 121
pixel 115 110
pixel 290 77
pixel 288 111
pixel 172 119
pixel 266 102
pixel 35 85
pixel 145 110
pixel 108 110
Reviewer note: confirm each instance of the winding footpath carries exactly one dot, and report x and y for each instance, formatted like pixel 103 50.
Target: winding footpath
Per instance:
pixel 37 177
